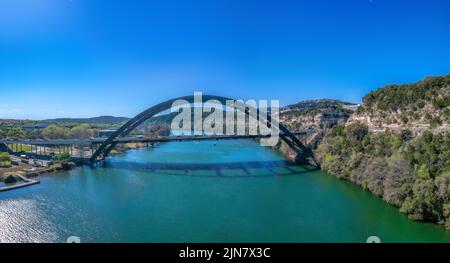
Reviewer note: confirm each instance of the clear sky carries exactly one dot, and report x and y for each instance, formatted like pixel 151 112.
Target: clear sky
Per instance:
pixel 84 58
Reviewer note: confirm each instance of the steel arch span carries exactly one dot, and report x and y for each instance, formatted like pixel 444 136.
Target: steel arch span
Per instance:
pixel 105 148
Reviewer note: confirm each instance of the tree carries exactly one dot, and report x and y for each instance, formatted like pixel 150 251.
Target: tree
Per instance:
pixel 5 159
pixel 376 171
pixel 63 157
pixel 406 135
pixel 54 132
pixel 64 160
pixel 443 192
pixel 357 131
pixel 81 131
pixel 422 204
pixel 443 187
pixel 396 176
pixel 12 132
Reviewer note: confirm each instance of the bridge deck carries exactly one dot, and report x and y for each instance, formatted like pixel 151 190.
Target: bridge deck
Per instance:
pixel 87 142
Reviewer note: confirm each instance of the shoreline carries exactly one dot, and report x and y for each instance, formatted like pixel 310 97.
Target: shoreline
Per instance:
pixel 73 163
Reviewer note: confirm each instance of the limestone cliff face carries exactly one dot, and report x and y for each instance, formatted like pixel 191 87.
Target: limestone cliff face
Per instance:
pixel 315 114
pixel 378 124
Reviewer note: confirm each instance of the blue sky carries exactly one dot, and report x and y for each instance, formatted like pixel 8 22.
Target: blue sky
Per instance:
pixel 83 58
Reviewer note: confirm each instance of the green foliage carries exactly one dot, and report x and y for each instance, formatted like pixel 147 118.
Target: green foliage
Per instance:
pixel 427 101
pixel 63 157
pixel 435 122
pixel 423 203
pixel 395 184
pixel 420 104
pixel 331 163
pixel 12 132
pixel 5 159
pixel 55 132
pixel 441 102
pixel 82 131
pixel 375 172
pixel 406 135
pixel 64 160
pixel 357 131
pixel 400 97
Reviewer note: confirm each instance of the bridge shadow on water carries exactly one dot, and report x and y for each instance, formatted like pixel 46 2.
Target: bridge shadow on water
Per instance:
pixel 222 170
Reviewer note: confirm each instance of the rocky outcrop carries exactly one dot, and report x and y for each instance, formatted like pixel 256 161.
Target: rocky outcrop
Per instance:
pixel 378 124
pixel 315 114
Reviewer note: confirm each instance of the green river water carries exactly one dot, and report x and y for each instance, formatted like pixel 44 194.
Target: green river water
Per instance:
pixel 224 191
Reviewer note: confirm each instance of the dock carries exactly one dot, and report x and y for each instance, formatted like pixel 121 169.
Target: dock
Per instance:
pixel 27 182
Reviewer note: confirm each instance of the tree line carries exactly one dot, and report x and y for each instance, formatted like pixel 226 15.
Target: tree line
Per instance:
pixel 81 131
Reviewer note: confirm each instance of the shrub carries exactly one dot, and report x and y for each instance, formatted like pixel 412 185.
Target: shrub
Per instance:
pixel 396 176
pixel 5 160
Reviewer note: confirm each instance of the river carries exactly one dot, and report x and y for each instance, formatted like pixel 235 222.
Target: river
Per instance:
pixel 209 191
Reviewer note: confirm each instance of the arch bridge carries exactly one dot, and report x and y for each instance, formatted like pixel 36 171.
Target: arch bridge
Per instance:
pixel 302 152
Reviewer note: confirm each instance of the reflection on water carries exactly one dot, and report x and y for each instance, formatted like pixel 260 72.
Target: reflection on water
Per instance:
pixel 230 191
pixel 22 221
pixel 224 170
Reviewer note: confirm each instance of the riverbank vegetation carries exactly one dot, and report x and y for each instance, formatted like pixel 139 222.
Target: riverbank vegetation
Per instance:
pixel 410 173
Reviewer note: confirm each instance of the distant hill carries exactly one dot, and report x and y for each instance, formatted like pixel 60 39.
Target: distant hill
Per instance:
pixel 110 120
pixel 317 104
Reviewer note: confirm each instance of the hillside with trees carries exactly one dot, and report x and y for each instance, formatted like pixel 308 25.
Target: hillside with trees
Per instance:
pixel 101 120
pixel 419 107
